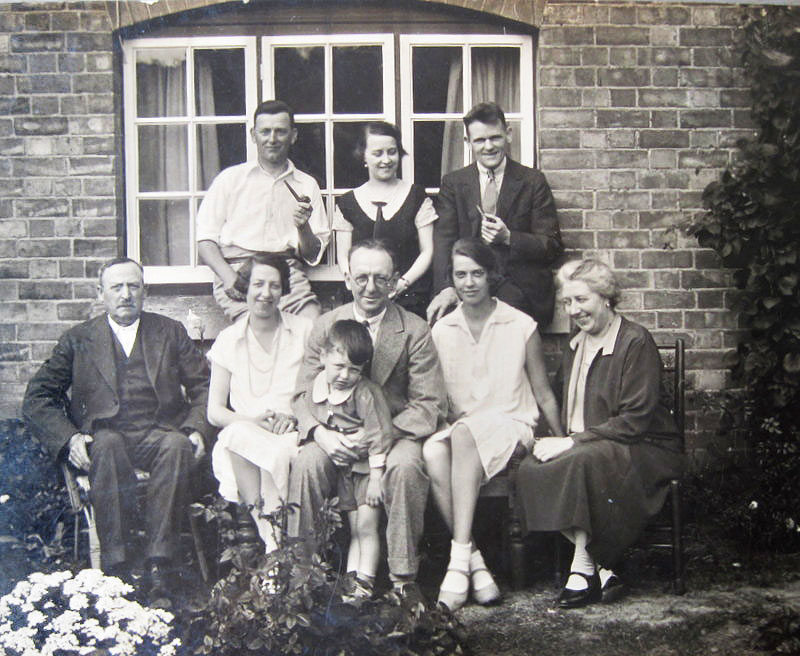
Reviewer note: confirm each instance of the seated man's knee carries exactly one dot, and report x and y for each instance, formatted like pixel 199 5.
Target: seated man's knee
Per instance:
pixel 106 441
pixel 311 460
pixel 176 445
pixel 404 461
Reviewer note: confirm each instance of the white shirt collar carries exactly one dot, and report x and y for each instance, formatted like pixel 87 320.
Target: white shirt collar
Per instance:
pixel 607 344
pixel 373 323
pixel 288 172
pixel 498 170
pixel 125 334
pixel 322 392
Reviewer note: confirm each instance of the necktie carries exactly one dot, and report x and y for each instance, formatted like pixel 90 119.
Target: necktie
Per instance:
pixel 377 231
pixel 489 203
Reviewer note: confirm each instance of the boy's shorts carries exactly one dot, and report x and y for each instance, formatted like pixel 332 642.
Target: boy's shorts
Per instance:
pixel 351 488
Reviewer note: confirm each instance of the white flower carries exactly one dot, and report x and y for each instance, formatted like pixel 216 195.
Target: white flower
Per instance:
pixel 790 523
pixel 78 601
pixel 753 505
pixel 36 617
pixel 4 498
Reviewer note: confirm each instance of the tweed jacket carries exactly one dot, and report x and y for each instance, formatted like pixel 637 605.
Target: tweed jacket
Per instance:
pixel 405 365
pixel 526 205
pixel 625 400
pixel 82 363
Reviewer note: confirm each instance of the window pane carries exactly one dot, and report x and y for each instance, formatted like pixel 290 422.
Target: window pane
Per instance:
pixel 300 78
pixel 219 82
pixel 218 147
pixel 495 77
pixel 516 137
pixel 348 170
pixel 163 160
pixel 164 230
pixel 357 80
pixel 437 80
pixel 161 82
pixel 438 149
pixel 308 152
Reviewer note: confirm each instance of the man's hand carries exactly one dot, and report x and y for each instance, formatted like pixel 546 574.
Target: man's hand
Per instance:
pixel 228 282
pixel 301 214
pixel 78 453
pixel 197 443
pixel 374 492
pixel 441 303
pixel 494 230
pixel 329 442
pixel 548 448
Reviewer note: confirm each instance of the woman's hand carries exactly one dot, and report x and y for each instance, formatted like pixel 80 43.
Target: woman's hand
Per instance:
pixel 374 492
pixel 547 448
pixel 282 423
pixel 399 287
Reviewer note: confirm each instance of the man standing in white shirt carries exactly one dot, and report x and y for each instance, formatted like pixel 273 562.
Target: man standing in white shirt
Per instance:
pixel 268 206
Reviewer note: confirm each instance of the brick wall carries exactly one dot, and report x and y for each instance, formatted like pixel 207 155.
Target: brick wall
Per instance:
pixel 639 106
pixel 57 177
pixel 639 109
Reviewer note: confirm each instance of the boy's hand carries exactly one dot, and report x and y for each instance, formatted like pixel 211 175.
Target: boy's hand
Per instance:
pixel 374 492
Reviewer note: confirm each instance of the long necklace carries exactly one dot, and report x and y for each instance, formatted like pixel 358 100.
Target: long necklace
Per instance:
pixel 275 350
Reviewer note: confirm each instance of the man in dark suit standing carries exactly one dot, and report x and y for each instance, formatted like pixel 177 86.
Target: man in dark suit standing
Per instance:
pixel 138 394
pixel 510 207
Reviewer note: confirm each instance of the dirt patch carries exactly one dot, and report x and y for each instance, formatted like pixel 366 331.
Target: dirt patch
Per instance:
pixel 718 620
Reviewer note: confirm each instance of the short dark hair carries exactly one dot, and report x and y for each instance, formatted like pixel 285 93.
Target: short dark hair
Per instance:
pixel 352 338
pixel 274 107
pixel 373 244
pixel 275 260
pixel 380 128
pixel 485 112
pixel 479 253
pixel 117 260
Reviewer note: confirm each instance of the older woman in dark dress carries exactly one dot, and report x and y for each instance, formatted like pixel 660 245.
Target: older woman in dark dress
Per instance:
pixel 600 485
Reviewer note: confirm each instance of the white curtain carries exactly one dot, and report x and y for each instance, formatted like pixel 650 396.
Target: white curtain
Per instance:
pixel 495 77
pixel 163 153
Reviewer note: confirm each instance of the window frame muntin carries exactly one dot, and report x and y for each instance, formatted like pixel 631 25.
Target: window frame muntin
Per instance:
pixel 526 115
pixel 194 272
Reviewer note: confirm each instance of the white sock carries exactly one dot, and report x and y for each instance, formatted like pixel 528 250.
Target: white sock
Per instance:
pixel 604 574
pixel 481 577
pixel 459 560
pixel 581 562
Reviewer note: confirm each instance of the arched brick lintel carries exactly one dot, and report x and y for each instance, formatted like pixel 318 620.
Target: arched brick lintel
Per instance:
pixel 124 13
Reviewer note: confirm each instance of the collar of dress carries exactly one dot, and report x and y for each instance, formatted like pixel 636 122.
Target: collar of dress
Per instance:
pixel 607 345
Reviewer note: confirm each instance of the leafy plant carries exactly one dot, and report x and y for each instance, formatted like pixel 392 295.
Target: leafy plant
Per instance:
pixel 285 603
pixel 752 221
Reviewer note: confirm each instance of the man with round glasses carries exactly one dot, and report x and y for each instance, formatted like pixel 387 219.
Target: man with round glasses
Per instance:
pixel 406 366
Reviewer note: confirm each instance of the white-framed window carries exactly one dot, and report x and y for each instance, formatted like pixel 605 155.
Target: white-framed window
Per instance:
pixel 348 80
pixel 188 103
pixel 447 74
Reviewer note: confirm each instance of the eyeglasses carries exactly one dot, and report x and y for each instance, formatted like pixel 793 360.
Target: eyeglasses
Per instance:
pixel 382 282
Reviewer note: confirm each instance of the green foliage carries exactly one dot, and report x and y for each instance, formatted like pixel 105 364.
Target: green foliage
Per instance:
pixel 753 222
pixel 284 603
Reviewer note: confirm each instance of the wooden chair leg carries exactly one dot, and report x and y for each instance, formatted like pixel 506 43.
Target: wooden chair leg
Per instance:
pixel 516 548
pixel 198 548
pixel 678 585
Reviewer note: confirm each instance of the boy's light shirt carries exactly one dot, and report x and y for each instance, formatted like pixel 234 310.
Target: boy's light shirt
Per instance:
pixel 322 392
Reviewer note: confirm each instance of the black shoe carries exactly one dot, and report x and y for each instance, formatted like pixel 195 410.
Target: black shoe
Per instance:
pixel 612 589
pixel 580 598
pixel 158 595
pixel 410 594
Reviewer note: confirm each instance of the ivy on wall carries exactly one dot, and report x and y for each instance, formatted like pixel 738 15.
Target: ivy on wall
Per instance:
pixel 752 221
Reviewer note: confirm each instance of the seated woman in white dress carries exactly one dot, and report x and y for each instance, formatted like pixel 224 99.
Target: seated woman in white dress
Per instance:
pixel 254 364
pixel 496 382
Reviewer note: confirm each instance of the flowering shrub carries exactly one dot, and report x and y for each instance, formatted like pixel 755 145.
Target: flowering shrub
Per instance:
pixel 752 223
pixel 58 614
pixel 281 603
